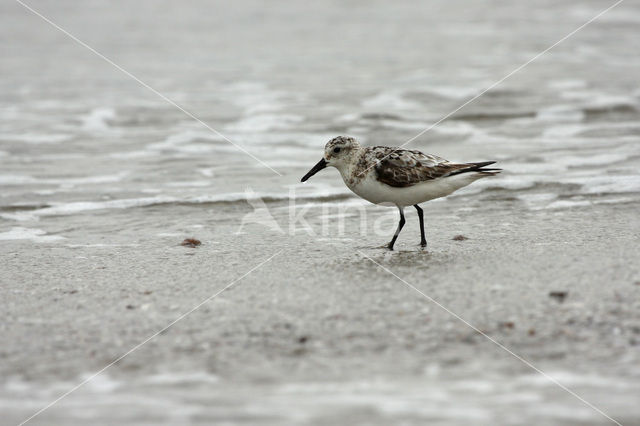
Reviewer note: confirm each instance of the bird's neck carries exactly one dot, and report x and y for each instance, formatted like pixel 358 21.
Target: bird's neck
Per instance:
pixel 351 171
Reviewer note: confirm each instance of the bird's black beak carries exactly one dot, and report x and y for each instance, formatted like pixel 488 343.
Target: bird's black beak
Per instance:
pixel 315 169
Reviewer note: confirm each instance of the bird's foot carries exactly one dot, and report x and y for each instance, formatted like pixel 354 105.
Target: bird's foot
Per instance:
pixel 423 244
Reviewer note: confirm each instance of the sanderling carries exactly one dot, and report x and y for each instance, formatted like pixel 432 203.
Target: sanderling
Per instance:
pixel 395 176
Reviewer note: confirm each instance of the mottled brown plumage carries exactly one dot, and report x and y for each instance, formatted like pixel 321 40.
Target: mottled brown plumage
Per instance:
pixel 402 167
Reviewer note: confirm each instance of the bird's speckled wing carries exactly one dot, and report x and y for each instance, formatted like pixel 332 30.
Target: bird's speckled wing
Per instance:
pixel 401 167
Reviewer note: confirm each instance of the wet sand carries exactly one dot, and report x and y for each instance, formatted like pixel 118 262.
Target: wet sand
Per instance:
pixel 320 320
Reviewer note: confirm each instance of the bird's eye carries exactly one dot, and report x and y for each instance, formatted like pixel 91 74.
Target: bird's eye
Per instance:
pixel 336 149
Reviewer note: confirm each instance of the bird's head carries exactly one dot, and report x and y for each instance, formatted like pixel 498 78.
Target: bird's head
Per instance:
pixel 338 152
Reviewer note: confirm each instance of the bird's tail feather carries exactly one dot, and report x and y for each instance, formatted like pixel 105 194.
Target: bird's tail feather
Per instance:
pixel 479 167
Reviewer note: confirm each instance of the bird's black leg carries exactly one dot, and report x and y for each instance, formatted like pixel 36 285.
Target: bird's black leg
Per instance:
pixel 423 240
pixel 400 225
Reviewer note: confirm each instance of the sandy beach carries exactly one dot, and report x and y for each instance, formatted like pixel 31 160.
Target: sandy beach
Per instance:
pixel 524 308
pixel 322 328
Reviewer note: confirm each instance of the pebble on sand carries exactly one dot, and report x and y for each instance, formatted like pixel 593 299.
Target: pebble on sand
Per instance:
pixel 190 242
pixel 459 238
pixel 558 295
pixel 507 324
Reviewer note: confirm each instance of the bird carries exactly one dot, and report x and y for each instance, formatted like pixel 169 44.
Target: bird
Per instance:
pixel 398 177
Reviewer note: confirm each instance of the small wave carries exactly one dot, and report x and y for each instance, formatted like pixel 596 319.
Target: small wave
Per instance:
pixel 253 97
pixel 598 159
pixel 493 115
pixel 606 184
pixel 595 104
pixel 62 209
pixel 434 399
pixel 15 179
pixel 404 125
pixel 188 184
pixel 128 155
pixel 567 84
pixel 35 235
pixel 454 92
pixel 584 129
pixel 36 138
pixel 30 180
pixel 569 204
pixel 183 142
pixel 611 105
pixel 98 120
pixel 284 140
pixel 457 128
pixel 376 116
pixel 560 113
pixel 265 122
pixel 391 100
pixel 23 213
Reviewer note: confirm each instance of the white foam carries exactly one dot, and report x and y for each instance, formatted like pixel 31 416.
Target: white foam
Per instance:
pixel 567 84
pixel 169 379
pixel 83 206
pixel 390 100
pixel 568 130
pixel 29 180
pixel 208 171
pixel 598 159
pixel 510 182
pixel 254 97
pixel 579 95
pixel 404 125
pixel 265 122
pixel 533 168
pixel 537 199
pixel 130 154
pixel 560 113
pixel 567 204
pixel 183 142
pixel 16 179
pixel 454 92
pixel 177 397
pixel 274 140
pixel 462 128
pixel 187 184
pixel 76 207
pixel 611 101
pixel 101 383
pixel 98 119
pixel 606 184
pixel 35 138
pixel 35 235
pixel 349 117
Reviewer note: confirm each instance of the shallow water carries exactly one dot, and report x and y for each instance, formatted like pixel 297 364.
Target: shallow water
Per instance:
pixel 95 168
pixel 280 81
pixel 200 398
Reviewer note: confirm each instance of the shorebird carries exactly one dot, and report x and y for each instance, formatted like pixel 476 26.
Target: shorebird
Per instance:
pixel 395 176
